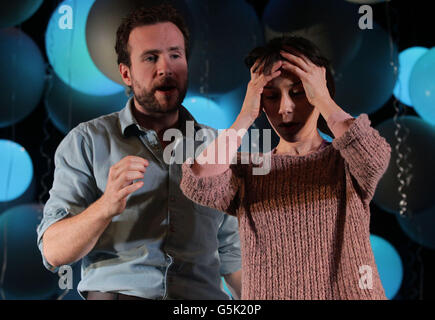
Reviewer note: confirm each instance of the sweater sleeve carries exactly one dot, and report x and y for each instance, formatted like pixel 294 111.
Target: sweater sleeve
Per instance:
pixel 219 191
pixel 366 153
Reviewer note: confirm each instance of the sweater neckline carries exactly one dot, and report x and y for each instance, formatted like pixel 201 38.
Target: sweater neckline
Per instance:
pixel 324 148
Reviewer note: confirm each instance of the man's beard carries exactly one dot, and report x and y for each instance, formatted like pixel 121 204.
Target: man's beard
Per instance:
pixel 148 100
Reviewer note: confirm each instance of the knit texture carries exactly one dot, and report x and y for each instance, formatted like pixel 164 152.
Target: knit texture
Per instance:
pixel 304 227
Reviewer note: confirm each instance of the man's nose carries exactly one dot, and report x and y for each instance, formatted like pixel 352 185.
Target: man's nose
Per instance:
pixel 164 67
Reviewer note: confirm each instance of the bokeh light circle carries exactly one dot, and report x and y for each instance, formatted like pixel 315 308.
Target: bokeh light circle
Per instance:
pixel 25 276
pixel 16 170
pixel 407 60
pixel 422 86
pixel 22 78
pixel 68 53
pixel 389 265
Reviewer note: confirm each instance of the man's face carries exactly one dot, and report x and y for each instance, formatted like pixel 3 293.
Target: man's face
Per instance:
pixel 158 71
pixel 287 107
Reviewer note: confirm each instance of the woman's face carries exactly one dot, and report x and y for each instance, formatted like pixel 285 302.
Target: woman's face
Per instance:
pixel 287 108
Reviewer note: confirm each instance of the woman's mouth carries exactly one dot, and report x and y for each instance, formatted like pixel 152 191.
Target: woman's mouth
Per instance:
pixel 290 126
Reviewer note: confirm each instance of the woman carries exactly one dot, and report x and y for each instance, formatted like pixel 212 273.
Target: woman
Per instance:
pixel 304 226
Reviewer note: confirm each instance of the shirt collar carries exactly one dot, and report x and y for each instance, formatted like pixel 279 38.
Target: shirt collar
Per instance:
pixel 129 124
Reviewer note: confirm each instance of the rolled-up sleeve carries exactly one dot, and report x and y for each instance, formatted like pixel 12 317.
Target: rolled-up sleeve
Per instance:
pixel 229 246
pixel 74 187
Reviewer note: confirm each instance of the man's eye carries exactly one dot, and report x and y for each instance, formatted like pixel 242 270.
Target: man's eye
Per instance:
pixel 150 59
pixel 175 56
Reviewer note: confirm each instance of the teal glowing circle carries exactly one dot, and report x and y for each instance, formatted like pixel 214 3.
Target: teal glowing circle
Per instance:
pixel 389 265
pixel 68 53
pixel 16 170
pixel 407 60
pixel 208 112
pixel 422 86
pixel 15 12
pixel 22 78
pixel 25 277
pixel 67 107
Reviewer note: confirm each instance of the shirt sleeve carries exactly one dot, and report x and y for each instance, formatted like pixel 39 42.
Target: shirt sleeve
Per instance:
pixel 366 153
pixel 221 191
pixel 229 245
pixel 74 187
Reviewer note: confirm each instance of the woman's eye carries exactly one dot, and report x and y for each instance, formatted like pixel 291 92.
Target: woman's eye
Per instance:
pixel 297 93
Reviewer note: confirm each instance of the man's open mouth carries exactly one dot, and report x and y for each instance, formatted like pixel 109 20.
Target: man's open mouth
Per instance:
pixel 166 88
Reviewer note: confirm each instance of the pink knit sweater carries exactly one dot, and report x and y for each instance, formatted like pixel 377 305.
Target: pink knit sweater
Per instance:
pixel 304 227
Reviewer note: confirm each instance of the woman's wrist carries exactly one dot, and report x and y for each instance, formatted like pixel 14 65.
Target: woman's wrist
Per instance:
pixel 243 121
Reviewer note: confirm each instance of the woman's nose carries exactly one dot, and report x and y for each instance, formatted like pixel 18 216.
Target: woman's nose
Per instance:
pixel 287 105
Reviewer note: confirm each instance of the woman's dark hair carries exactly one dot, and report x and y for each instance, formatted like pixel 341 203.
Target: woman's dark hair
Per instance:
pixel 270 53
pixel 147 16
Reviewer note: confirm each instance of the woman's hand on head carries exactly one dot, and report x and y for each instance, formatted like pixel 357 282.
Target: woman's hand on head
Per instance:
pixel 252 104
pixel 313 77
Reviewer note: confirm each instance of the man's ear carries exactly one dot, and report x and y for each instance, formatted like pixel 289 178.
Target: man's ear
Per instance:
pixel 124 70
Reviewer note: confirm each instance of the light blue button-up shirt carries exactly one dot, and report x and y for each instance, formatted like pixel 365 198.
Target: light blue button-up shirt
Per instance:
pixel 163 246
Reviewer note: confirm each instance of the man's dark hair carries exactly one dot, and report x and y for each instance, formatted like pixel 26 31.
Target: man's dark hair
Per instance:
pixel 144 16
pixel 270 53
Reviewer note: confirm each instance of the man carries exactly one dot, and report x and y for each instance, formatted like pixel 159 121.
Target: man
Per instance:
pixel 116 204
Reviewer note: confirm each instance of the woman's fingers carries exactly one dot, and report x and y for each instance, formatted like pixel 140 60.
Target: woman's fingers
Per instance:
pixel 276 66
pixel 298 61
pixel 254 68
pixel 271 76
pixel 294 69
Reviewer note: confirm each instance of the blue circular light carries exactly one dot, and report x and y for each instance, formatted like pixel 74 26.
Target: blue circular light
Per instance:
pixel 422 86
pixel 68 53
pixel 367 82
pixel 15 12
pixel 214 69
pixel 22 78
pixel 208 112
pixel 420 178
pixel 419 227
pixel 16 170
pixel 67 107
pixel 25 277
pixel 389 265
pixel 407 60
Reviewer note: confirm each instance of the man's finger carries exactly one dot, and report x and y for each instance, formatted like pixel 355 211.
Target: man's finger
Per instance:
pixel 124 192
pixel 134 166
